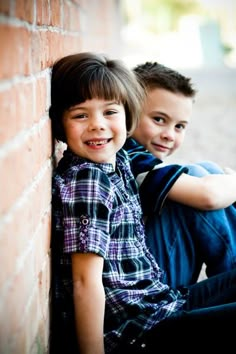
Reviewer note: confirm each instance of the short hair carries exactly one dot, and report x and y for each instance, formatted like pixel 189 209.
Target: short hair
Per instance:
pixel 154 75
pixel 79 77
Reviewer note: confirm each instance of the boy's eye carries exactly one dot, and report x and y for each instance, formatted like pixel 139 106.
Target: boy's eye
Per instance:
pixel 110 112
pixel 159 119
pixel 79 116
pixel 180 126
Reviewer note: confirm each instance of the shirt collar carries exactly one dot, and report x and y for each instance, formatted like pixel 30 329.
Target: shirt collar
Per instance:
pixel 71 159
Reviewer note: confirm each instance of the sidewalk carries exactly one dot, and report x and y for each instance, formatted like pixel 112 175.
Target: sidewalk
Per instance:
pixel 211 134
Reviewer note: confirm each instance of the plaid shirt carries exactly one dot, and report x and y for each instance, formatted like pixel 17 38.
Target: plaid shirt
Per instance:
pixel 154 177
pixel 96 209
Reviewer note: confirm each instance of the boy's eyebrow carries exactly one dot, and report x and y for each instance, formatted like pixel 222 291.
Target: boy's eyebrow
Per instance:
pixel 159 112
pixel 74 108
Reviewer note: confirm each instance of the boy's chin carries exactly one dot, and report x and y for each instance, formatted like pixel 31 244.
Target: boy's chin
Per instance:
pixel 159 155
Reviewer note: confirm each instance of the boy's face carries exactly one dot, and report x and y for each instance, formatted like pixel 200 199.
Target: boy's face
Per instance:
pixel 163 122
pixel 96 129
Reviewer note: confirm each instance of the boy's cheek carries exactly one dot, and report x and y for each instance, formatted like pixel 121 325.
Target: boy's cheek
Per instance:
pixel 178 143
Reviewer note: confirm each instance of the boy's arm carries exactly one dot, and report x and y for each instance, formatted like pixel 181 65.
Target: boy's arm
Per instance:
pixel 89 302
pixel 210 192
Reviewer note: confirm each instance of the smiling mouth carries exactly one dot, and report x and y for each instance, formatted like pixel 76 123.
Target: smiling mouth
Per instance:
pixel 98 142
pixel 158 146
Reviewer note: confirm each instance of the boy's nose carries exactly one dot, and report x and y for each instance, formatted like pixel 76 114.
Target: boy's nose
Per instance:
pixel 168 134
pixel 96 123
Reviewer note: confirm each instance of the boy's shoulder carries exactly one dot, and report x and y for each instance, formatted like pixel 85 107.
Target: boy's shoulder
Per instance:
pixel 154 177
pixel 141 159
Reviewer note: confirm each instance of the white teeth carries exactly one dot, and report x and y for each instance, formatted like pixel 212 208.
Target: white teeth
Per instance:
pixel 97 142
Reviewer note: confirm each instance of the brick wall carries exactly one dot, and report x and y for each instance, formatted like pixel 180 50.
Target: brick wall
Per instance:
pixel 33 33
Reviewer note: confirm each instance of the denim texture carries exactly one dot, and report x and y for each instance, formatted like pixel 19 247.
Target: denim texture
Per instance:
pixel 206 324
pixel 182 238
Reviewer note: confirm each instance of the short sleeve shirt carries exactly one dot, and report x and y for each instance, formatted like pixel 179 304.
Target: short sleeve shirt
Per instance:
pixel 97 209
pixel 154 177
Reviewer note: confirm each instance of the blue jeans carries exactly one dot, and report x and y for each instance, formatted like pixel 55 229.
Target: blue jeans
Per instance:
pixel 182 238
pixel 207 321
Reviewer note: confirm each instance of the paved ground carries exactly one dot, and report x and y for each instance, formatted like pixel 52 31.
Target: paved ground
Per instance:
pixel 212 132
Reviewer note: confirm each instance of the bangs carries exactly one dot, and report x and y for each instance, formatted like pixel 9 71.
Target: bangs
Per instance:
pixel 99 83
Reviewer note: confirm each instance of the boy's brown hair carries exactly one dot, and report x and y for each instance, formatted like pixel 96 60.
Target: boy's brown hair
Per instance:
pixel 154 75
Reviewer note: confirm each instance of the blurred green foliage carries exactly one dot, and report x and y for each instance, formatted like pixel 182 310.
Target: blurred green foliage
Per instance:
pixel 160 15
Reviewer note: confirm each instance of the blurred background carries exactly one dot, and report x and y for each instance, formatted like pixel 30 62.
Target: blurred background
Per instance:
pixel 181 33
pixel 198 38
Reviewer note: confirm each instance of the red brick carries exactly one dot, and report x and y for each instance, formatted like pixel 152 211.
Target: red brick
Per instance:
pixel 24 10
pixel 5 7
pixel 26 161
pixel 14 46
pixel 41 97
pixel 39 51
pixel 71 16
pixel 26 319
pixel 16 110
pixel 19 229
pixel 55 13
pixel 42 12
